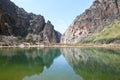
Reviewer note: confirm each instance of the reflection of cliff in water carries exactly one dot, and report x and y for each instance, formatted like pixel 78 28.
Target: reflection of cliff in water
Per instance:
pixel 17 63
pixel 94 64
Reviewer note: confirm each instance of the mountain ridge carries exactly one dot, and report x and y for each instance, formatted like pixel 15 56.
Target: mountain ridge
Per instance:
pixel 100 14
pixel 16 22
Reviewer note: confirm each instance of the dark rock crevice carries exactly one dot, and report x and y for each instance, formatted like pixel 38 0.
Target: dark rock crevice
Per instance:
pixel 117 6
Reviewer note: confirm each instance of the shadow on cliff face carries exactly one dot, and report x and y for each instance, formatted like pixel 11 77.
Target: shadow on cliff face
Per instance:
pixel 94 63
pixel 15 64
pixel 25 26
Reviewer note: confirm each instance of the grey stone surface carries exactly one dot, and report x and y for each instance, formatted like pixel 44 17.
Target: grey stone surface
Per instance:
pixel 99 15
pixel 17 22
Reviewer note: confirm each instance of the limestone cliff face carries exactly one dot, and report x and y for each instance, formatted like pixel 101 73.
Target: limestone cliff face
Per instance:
pixel 99 15
pixel 17 22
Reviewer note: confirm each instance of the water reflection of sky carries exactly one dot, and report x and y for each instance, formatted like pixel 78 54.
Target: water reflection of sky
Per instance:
pixel 49 64
pixel 59 70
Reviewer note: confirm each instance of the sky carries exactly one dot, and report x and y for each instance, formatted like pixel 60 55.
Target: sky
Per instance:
pixel 61 13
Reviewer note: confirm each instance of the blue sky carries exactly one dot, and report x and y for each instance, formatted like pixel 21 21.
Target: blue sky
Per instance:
pixel 60 12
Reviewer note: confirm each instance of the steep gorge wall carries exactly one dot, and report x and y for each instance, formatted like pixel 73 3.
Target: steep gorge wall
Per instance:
pixel 17 22
pixel 99 15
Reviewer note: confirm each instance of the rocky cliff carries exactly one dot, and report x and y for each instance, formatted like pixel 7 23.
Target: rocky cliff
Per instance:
pixel 96 18
pixel 17 22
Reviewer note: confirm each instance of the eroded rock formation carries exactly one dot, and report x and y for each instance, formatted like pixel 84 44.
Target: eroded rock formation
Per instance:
pixel 17 22
pixel 99 15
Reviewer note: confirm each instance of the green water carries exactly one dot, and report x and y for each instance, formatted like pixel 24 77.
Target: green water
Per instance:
pixel 59 64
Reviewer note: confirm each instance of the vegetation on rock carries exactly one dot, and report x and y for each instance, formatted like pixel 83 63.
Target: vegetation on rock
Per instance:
pixel 110 34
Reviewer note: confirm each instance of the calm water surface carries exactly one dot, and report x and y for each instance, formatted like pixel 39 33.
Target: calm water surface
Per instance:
pixel 59 64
